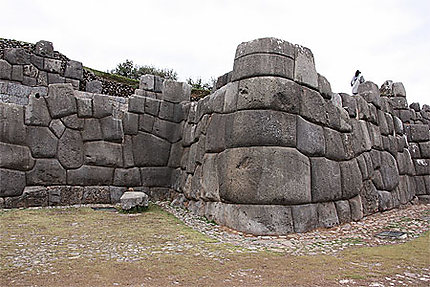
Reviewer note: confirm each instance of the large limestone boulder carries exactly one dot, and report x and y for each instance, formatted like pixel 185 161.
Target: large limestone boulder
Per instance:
pixel 133 199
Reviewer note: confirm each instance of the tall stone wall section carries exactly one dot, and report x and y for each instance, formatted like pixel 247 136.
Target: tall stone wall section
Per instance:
pixel 274 151
pixel 271 151
pixel 69 147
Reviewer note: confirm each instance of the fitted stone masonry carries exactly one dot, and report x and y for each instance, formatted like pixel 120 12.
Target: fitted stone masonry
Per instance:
pixel 271 151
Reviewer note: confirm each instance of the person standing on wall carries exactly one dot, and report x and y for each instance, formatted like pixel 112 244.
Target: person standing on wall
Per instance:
pixel 356 81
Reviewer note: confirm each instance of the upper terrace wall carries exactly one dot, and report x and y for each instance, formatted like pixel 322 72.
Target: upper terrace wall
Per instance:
pixel 271 151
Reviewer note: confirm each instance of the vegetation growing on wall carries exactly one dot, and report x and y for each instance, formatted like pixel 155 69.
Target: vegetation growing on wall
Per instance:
pixel 129 70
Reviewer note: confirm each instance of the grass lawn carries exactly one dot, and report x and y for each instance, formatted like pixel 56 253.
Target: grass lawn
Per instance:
pixel 83 247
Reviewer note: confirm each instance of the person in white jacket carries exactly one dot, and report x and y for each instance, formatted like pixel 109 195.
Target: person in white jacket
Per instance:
pixel 356 81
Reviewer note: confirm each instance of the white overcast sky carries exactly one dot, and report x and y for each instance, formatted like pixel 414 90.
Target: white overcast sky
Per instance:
pixel 384 39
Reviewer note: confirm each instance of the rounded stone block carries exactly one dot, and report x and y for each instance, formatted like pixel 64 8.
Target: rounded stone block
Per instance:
pixel 90 175
pixel 12 128
pixel 70 149
pixel 305 217
pixel 389 171
pixel 149 150
pixel 327 214
pixel 46 172
pixel 265 46
pixel 264 175
pixel 255 219
pixel 12 182
pixel 269 93
pixel 310 138
pixel 304 67
pixel 42 142
pixel 103 154
pixel 36 112
pixel 261 128
pixel 350 178
pixel 255 65
pixel 127 177
pixel 15 157
pixel 325 180
pixel 61 100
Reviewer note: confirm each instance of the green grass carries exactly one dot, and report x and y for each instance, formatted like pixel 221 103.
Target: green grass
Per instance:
pixel 115 78
pixel 84 247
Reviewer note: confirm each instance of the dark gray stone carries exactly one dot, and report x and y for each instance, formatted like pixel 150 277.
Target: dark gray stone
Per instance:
pixel 136 104
pixel 325 180
pixel 61 100
pixel 349 104
pixel 370 92
pixel 334 148
pixel 17 73
pixel 327 215
pixel 304 67
pixel 90 175
pixel 85 107
pixel 44 48
pixel 29 81
pixel 350 178
pixel 75 83
pixel 166 111
pixel 399 90
pixel 36 112
pixel 12 128
pixel 389 171
pixel 365 173
pixel 310 138
pixel 254 65
pixel 216 132
pixel 74 70
pixel 404 163
pixel 92 130
pixel 268 175
pixel 156 176
pixel 112 129
pixel 158 84
pixel 267 93
pixel 73 122
pixel 103 153
pixel 149 150
pixel 15 157
pixel 175 155
pixel 259 128
pixel 5 70
pixel 399 103
pixel 101 106
pixel 313 107
pixel 254 219
pixel 70 149
pixel 37 61
pixel 324 87
pixel 356 208
pixel 176 92
pixel 369 198
pixel 152 106
pixel 127 152
pixel 425 149
pixel 46 172
pixel 17 56
pixel 42 142
pixel 42 79
pixel 94 86
pixel 167 130
pixel 361 141
pixel 417 132
pixel 127 177
pixel 362 108
pixel 130 123
pixel 305 217
pixel 375 136
pixel 385 200
pixel 415 106
pixel 116 192
pixel 12 182
pixel 96 195
pixel 52 66
pixel 146 123
pixel 343 211
pixel 422 184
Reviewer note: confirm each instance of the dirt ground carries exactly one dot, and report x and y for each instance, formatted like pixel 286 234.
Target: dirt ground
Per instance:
pixel 84 247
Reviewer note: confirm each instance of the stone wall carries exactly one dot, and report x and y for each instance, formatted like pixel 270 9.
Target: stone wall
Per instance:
pixel 271 151
pixel 40 65
pixel 70 147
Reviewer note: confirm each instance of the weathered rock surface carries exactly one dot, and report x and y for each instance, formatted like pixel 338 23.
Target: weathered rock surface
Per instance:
pixel 133 199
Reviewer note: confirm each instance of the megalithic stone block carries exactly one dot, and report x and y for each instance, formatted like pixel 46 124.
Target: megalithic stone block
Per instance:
pixel 61 100
pixel 304 67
